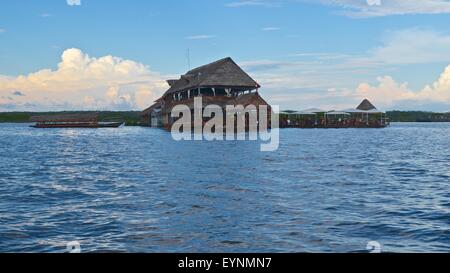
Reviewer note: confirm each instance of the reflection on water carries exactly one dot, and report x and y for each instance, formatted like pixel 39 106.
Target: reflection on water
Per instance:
pixel 135 189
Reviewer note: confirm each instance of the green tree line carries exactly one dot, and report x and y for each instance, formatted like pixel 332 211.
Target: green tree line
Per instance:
pixel 131 118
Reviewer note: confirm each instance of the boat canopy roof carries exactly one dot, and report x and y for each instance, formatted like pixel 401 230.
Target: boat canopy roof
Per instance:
pixel 345 112
pixel 298 113
pixel 313 111
pixel 358 111
pixel 66 118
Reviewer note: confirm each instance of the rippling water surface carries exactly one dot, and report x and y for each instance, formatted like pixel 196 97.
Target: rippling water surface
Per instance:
pixel 137 190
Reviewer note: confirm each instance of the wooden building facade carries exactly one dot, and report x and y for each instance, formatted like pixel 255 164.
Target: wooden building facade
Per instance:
pixel 219 83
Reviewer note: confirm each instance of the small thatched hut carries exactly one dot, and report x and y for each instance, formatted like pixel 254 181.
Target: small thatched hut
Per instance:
pixel 366 105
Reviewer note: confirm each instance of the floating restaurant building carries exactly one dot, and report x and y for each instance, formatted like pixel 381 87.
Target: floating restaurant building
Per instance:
pixel 219 83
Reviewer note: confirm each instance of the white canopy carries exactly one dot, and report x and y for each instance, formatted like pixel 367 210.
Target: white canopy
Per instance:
pixel 346 112
pixel 357 111
pixel 304 113
pixel 336 113
pixel 299 113
pixel 286 113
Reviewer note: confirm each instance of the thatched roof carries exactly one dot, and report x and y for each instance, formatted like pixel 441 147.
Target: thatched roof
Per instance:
pixel 249 99
pixel 222 73
pixel 88 117
pixel 366 105
pixel 151 108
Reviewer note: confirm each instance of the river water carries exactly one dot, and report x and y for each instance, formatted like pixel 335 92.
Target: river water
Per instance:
pixel 136 190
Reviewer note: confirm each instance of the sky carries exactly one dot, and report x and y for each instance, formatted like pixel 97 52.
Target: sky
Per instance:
pixel 117 55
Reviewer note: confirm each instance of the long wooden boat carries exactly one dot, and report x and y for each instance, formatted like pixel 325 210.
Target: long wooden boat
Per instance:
pixel 73 121
pixel 79 125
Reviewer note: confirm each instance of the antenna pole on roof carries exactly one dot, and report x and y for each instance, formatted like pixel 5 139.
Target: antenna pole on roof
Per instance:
pixel 188 55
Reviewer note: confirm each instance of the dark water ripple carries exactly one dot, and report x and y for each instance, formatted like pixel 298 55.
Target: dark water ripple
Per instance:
pixel 136 190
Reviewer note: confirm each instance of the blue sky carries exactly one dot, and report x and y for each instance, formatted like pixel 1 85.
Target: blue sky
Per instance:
pixel 116 54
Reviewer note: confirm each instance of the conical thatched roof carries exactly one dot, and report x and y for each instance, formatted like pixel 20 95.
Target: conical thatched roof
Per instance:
pixel 366 105
pixel 222 73
pixel 249 99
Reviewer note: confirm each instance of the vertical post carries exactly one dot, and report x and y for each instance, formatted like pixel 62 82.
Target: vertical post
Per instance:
pixel 189 58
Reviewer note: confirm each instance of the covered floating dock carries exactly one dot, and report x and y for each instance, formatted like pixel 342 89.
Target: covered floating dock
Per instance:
pixel 366 115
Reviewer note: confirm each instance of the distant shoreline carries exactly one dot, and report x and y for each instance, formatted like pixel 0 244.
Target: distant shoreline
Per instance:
pixel 132 118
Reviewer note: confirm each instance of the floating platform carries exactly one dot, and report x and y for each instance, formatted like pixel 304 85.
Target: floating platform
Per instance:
pixel 79 125
pixel 374 126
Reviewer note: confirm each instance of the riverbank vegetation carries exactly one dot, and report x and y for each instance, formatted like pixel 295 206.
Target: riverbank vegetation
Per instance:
pixel 418 116
pixel 131 118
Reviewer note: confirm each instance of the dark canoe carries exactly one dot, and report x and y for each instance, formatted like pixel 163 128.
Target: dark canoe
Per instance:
pixel 79 125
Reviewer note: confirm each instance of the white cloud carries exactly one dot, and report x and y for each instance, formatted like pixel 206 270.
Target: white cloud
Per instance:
pixel 363 8
pixel 2 30
pixel 390 93
pixel 387 92
pixel 439 90
pixel 410 46
pixel 307 76
pixel 374 2
pixel 257 3
pixel 399 48
pixel 83 82
pixel 73 2
pixel 270 29
pixel 376 8
pixel 200 37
